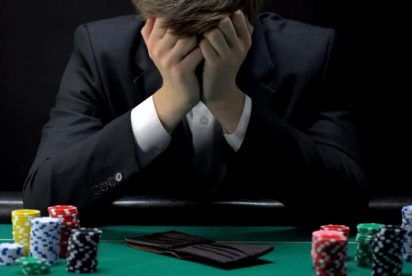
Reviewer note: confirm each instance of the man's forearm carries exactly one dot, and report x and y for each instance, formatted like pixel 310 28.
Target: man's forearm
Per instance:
pixel 229 111
pixel 71 175
pixel 170 110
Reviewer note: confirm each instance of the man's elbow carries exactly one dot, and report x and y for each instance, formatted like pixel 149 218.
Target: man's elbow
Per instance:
pixel 36 191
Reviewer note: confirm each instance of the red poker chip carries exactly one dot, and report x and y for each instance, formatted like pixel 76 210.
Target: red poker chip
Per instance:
pixel 64 216
pixel 70 220
pixel 337 227
pixel 62 209
pixel 329 252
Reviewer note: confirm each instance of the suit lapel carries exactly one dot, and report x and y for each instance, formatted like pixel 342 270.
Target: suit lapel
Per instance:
pixel 257 73
pixel 259 61
pixel 148 79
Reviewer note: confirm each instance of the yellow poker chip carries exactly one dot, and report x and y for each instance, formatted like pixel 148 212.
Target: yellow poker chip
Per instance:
pixel 26 213
pixel 21 226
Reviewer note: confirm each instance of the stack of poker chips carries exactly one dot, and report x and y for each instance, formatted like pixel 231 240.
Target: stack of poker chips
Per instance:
pixel 45 239
pixel 70 220
pixel 82 250
pixel 387 251
pixel 407 225
pixel 329 253
pixel 10 252
pixel 21 227
pixel 364 239
pixel 33 266
pixel 340 228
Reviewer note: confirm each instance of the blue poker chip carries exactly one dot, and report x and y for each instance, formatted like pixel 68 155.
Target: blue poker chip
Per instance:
pixel 9 253
pixel 45 239
pixel 407 225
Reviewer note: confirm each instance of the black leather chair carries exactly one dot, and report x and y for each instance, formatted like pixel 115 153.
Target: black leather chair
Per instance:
pixel 36 40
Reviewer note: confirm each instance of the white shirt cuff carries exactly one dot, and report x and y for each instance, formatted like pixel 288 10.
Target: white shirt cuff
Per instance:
pixel 236 138
pixel 150 135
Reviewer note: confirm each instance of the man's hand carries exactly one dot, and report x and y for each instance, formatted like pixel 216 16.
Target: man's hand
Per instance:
pixel 176 58
pixel 224 49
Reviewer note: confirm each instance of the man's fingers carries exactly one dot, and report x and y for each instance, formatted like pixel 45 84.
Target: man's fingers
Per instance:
pixel 158 31
pixel 218 41
pixel 183 47
pixel 193 59
pixel 147 28
pixel 208 51
pixel 168 41
pixel 229 32
pixel 239 21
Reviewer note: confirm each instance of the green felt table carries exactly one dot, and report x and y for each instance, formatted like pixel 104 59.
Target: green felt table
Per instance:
pixel 290 257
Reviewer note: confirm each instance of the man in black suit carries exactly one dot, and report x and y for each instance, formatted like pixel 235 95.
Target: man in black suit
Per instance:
pixel 197 102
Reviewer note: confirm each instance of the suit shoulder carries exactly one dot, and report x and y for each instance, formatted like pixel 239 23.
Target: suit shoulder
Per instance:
pixel 274 23
pixel 111 39
pixel 114 25
pixel 296 46
pixel 113 32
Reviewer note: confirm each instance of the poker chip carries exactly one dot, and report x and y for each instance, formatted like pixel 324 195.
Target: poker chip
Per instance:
pixel 340 228
pixel 336 227
pixel 329 253
pixel 9 253
pixel 70 221
pixel 364 240
pixel 45 239
pixel 33 266
pixel 82 250
pixel 387 251
pixel 21 227
pixel 407 225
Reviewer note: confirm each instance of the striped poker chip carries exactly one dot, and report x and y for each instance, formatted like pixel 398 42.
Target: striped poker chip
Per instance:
pixel 82 250
pixel 9 253
pixel 70 220
pixel 329 252
pixel 336 227
pixel 407 226
pixel 45 239
pixel 33 266
pixel 387 251
pixel 21 226
pixel 62 210
pixel 364 240
pixel 340 228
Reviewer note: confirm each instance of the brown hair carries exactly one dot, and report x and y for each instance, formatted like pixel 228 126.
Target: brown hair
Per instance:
pixel 191 17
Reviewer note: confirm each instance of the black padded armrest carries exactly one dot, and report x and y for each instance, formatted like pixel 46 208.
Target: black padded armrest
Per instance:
pixel 9 201
pixel 161 210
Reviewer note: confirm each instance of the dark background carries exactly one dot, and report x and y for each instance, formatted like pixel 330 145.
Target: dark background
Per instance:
pixel 36 42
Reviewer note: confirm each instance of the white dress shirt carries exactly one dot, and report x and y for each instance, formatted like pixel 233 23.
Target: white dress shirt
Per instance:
pixel 152 138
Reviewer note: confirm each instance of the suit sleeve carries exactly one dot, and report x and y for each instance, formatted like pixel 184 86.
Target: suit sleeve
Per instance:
pixel 316 163
pixel 81 157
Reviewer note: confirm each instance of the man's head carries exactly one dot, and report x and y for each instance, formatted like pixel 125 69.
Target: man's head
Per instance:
pixel 193 17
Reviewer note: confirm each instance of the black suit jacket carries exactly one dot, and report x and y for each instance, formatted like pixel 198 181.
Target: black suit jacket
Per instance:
pixel 300 143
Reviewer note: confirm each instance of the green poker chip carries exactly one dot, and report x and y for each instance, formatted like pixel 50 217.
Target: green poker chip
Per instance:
pixel 369 228
pixel 33 266
pixel 364 242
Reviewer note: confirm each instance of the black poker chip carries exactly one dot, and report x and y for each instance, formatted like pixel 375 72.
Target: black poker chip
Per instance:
pixel 387 251
pixel 82 250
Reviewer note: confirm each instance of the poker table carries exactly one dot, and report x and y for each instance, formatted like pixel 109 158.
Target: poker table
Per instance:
pixel 291 255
